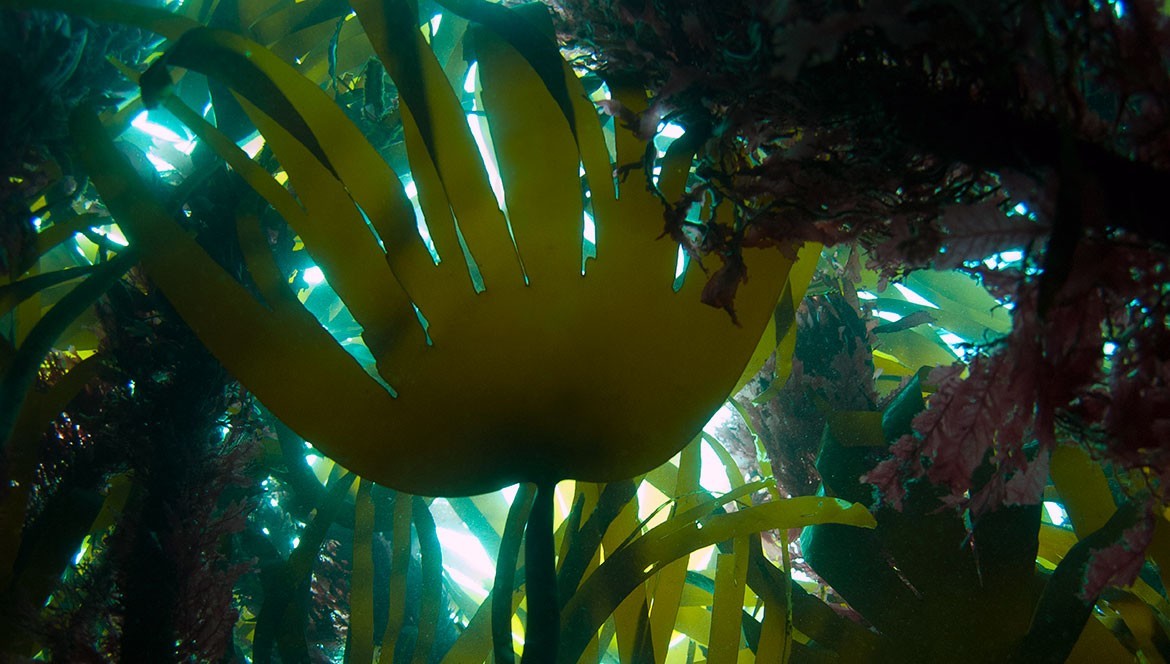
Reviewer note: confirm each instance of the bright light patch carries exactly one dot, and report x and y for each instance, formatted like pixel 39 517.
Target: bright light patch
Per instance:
pixel 888 316
pixel 411 189
pixel 670 130
pixel 296 541
pixel 273 501
pixel 1056 513
pixel 161 165
pixel 951 339
pixel 253 145
pixel 81 552
pixel 800 577
pixel 312 460
pixel 114 235
pixel 436 21
pixel 701 559
pixel 313 275
pixel 712 476
pixel 589 230
pixel 186 147
pixel 717 420
pixel 266 531
pixel 476 590
pixel 681 264
pixel 469 82
pixel 509 493
pixel 866 295
pixel 1110 348
pixel 914 298
pixel 466 551
pixel 1020 208
pixel 142 123
pixel 1003 259
pixel 489 162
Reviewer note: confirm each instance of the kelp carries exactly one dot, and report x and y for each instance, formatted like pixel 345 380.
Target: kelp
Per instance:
pixel 934 586
pixel 501 362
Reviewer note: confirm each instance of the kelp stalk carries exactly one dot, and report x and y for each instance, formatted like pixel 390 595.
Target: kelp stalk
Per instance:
pixel 544 616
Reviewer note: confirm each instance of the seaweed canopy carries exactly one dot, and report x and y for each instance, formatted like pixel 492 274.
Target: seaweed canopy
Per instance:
pixel 499 363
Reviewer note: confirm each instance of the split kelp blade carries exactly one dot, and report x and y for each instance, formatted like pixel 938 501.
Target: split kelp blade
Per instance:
pixel 546 374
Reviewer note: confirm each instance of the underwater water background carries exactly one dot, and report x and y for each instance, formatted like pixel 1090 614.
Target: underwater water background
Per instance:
pixel 584 331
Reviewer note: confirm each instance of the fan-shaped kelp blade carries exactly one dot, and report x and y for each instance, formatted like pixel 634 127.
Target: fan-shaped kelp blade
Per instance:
pixel 529 359
pixel 305 112
pixel 599 595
